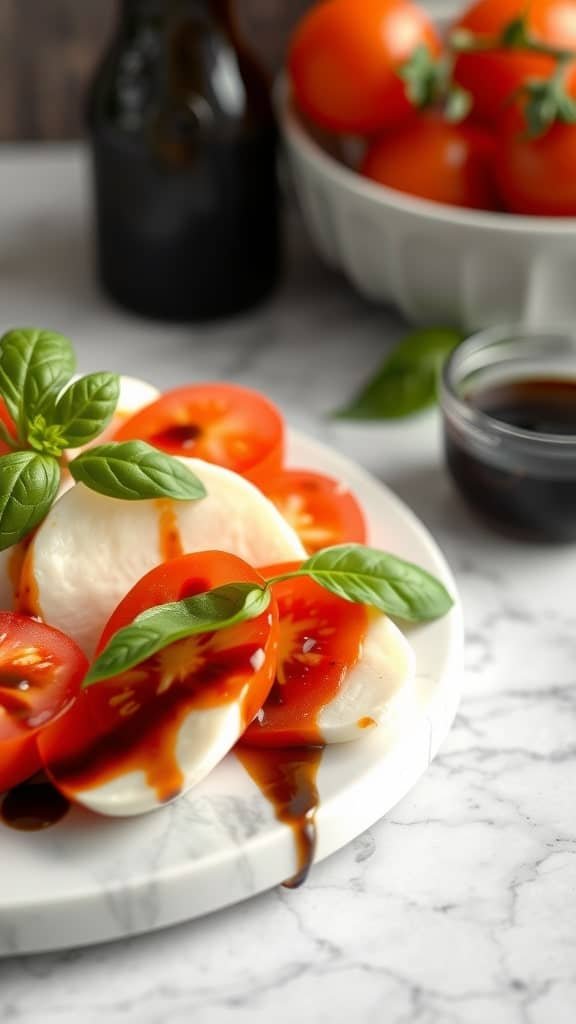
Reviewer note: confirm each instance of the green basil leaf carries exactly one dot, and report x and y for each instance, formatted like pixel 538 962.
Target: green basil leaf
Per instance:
pixel 28 486
pixel 165 624
pixel 133 471
pixel 367 576
pixel 7 437
pixel 45 438
pixel 34 366
pixel 85 409
pixel 408 380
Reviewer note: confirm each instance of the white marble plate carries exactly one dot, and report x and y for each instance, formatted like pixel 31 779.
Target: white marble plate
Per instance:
pixel 90 879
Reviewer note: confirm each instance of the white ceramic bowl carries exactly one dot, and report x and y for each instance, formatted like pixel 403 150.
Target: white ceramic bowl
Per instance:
pixel 436 263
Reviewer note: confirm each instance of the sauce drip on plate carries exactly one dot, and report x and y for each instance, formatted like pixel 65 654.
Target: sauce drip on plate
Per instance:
pixel 321 638
pixel 287 778
pixel 33 807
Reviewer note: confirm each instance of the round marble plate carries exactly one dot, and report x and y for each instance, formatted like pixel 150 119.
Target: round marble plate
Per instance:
pixel 91 879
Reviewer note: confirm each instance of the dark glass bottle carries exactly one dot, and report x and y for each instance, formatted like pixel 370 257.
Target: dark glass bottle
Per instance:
pixel 184 156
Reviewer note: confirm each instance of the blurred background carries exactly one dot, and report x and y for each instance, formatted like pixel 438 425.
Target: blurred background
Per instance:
pixel 48 50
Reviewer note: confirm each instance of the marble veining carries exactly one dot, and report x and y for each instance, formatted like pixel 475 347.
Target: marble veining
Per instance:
pixel 460 906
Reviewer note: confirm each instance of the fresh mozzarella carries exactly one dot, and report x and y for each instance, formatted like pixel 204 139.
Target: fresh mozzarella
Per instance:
pixel 12 558
pixel 135 394
pixel 205 738
pixel 378 691
pixel 91 549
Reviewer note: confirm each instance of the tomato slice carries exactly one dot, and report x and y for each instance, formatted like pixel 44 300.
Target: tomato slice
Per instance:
pixel 221 423
pixel 322 511
pixel 320 641
pixel 132 723
pixel 40 674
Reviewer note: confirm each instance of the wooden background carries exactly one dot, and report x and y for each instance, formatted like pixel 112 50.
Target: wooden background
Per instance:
pixel 48 49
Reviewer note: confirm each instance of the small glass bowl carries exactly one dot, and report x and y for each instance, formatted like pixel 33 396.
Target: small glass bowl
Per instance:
pixel 518 473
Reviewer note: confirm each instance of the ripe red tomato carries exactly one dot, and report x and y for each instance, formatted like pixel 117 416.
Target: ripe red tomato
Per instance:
pixel 322 511
pixel 320 641
pixel 430 158
pixel 536 176
pixel 344 60
pixel 40 674
pixel 494 77
pixel 132 722
pixel 221 423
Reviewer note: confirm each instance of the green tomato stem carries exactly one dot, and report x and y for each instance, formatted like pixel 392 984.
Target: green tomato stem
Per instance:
pixel 515 36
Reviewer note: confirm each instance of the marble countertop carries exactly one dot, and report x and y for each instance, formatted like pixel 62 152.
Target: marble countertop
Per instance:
pixel 460 906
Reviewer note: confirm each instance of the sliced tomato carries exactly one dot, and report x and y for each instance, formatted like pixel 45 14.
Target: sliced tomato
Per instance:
pixel 221 423
pixel 322 511
pixel 40 674
pixel 132 722
pixel 320 641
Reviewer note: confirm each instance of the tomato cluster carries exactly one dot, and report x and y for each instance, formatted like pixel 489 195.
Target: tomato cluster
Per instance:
pixel 483 118
pixel 42 709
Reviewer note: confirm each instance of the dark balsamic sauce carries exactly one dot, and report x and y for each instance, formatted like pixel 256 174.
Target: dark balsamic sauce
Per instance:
pixel 287 778
pixel 33 807
pixel 520 500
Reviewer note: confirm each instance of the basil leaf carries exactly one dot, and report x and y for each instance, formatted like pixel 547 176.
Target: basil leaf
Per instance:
pixel 45 438
pixel 133 471
pixel 408 380
pixel 7 437
pixel 367 576
pixel 28 486
pixel 165 624
pixel 86 407
pixel 34 366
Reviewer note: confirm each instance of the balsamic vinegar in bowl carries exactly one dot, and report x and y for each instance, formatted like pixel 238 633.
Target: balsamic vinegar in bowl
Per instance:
pixel 510 431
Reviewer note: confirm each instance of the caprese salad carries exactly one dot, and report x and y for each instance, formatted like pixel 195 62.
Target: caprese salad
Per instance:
pixel 169 588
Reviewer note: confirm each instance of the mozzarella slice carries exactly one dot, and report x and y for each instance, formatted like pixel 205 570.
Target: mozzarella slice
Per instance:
pixel 91 549
pixel 12 559
pixel 378 691
pixel 204 740
pixel 135 394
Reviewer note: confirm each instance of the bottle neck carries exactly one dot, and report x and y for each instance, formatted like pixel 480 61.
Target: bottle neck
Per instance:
pixel 160 10
pixel 135 13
